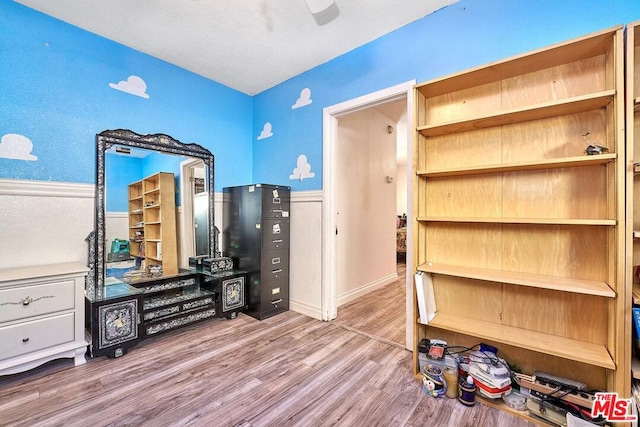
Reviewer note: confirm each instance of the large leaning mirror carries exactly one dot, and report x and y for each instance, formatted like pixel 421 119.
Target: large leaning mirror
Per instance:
pixel 154 207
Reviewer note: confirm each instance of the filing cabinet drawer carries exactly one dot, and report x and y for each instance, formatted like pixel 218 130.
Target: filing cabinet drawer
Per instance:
pixel 275 265
pixel 35 300
pixel 276 202
pixel 275 294
pixel 36 335
pixel 275 234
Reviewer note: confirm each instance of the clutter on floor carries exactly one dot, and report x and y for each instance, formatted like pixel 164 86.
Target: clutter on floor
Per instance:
pixel 478 372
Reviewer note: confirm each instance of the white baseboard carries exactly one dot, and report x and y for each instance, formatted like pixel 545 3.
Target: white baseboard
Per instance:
pixel 306 309
pixel 365 289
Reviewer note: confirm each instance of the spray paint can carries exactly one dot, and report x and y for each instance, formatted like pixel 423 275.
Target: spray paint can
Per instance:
pixel 467 391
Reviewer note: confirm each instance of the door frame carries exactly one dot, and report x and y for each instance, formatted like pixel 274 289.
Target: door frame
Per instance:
pixel 187 239
pixel 330 116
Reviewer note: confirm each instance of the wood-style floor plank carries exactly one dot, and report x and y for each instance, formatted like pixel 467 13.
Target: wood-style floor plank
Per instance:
pixel 289 370
pixel 380 313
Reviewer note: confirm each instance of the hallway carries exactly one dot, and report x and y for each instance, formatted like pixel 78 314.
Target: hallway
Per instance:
pixel 379 314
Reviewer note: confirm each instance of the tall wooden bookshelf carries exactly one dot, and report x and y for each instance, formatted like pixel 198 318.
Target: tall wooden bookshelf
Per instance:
pixel 632 108
pixel 152 222
pixel 522 232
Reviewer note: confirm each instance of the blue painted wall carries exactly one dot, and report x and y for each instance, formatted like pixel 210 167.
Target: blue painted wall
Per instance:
pixel 54 86
pixel 120 171
pixel 54 90
pixel 466 34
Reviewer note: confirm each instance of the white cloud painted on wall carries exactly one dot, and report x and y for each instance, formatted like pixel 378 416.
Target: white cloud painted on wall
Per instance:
pixel 304 99
pixel 17 147
pixel 302 170
pixel 133 85
pixel 266 131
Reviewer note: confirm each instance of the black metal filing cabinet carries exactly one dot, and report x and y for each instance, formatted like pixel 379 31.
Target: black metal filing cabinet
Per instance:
pixel 256 235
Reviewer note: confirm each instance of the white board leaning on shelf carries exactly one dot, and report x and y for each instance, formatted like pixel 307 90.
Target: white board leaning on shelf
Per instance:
pixel 425 296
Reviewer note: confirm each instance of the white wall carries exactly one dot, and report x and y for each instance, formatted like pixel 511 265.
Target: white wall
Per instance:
pixel 44 222
pixel 185 248
pixel 305 275
pixel 116 226
pixel 366 203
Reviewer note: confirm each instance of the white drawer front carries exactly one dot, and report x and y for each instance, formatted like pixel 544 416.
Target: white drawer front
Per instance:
pixel 27 301
pixel 36 335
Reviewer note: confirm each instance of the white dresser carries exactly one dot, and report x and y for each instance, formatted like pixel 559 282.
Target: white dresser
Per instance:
pixel 41 315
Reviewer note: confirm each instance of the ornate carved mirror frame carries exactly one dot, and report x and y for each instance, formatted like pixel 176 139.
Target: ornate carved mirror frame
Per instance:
pixel 157 142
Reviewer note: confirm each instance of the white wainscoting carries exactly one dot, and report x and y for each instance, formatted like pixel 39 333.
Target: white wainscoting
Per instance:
pixel 305 268
pixel 116 226
pixel 44 222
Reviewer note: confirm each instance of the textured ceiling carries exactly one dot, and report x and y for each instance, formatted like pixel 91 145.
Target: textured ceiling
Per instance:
pixel 249 45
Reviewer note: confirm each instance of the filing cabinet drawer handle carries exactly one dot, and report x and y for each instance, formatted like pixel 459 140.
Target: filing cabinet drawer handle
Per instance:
pixel 276 271
pixel 277 241
pixel 25 301
pixel 278 301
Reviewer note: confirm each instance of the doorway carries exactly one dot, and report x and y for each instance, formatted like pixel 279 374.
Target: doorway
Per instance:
pixel 194 214
pixel 335 251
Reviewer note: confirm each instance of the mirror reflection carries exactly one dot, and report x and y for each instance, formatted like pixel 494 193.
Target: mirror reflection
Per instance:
pixel 156 213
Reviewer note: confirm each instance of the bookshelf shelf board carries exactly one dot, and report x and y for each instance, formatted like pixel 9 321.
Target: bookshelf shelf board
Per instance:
pixel 500 405
pixel 564 284
pixel 565 162
pixel 518 115
pixel 561 53
pixel 579 351
pixel 541 221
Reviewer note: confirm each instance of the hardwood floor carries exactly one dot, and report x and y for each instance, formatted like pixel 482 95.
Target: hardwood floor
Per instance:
pixel 289 370
pixel 380 313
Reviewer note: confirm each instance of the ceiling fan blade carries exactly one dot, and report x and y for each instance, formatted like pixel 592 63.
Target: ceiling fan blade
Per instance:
pixel 323 11
pixel 317 6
